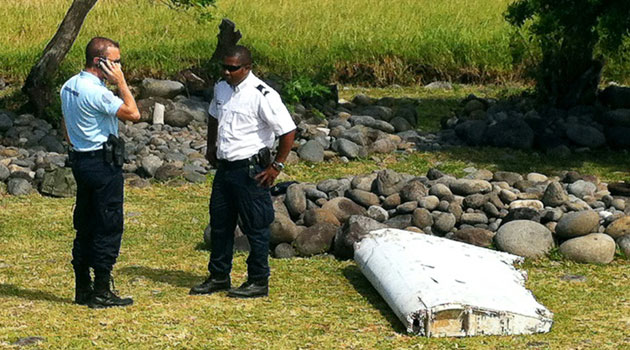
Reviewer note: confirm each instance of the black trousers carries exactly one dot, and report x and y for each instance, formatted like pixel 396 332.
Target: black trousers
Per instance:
pixel 98 212
pixel 235 193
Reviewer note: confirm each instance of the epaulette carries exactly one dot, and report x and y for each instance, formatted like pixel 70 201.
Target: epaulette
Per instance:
pixel 262 89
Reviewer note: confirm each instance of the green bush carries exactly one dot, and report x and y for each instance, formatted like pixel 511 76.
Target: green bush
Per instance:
pixel 575 38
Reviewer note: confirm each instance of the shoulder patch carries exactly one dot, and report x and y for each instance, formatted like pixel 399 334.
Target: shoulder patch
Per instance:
pixel 262 89
pixel 107 97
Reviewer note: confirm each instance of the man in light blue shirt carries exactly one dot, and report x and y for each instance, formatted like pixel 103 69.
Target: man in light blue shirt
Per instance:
pixel 91 113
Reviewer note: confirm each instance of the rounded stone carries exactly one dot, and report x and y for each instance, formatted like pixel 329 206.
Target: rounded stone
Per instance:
pixel 429 202
pixel 581 188
pixel 527 203
pixel 295 200
pixel 476 236
pixel 597 248
pixel 316 239
pixel 554 195
pixel 440 190
pixel 311 151
pixel 19 187
pixel 343 208
pixel 577 224
pixel 473 218
pixel 283 229
pixel 377 213
pixel 619 227
pixel 422 218
pixel 363 198
pixel 524 238
pixel 624 245
pixel 443 223
pixel 466 187
pixel 317 215
pixel 284 251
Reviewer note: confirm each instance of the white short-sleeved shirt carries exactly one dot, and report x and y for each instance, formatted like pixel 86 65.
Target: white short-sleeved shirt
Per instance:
pixel 249 115
pixel 89 111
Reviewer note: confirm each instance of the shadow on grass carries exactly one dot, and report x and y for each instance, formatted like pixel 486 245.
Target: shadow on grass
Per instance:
pixel 172 277
pixel 11 290
pixel 365 289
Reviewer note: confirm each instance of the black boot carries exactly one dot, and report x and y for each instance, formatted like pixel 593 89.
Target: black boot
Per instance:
pixel 212 285
pixel 103 296
pixel 83 285
pixel 251 289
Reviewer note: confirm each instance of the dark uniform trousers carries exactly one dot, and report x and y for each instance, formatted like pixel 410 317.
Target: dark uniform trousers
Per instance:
pixel 98 212
pixel 235 193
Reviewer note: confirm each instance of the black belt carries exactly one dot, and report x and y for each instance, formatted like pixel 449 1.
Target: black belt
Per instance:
pixel 237 164
pixel 88 154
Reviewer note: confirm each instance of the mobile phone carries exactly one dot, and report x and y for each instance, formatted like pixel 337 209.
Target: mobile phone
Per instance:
pixel 101 62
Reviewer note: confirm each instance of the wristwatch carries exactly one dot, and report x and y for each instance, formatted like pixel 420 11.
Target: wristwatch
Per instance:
pixel 277 165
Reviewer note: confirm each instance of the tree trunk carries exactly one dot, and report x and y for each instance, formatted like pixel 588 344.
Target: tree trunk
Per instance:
pixel 38 85
pixel 228 37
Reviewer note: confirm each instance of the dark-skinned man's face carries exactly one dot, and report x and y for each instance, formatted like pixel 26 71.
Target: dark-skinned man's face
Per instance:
pixel 234 71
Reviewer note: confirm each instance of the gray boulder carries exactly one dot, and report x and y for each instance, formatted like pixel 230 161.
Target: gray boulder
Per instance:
pixel 511 133
pixel 316 239
pixel 377 213
pixel 524 238
pixel 161 88
pixel 4 172
pixel 150 164
pixel 554 195
pixel 581 188
pixel 6 120
pixel 283 229
pixel 363 198
pixel 316 215
pixel 346 148
pixel 586 136
pixel 167 172
pixel 413 190
pixel 52 144
pixel 465 187
pixel 59 183
pixel 577 224
pixel 353 231
pixel 178 117
pixel 422 218
pixel 401 124
pixel 507 176
pixel 284 251
pixel 475 236
pixel 19 187
pixel 443 222
pixel 343 208
pixel 389 182
pixel 624 245
pixel 399 221
pixel 596 248
pixel 311 151
pixel 295 200
pixel 619 227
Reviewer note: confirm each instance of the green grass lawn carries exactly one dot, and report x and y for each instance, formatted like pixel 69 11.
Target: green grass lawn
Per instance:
pixel 317 303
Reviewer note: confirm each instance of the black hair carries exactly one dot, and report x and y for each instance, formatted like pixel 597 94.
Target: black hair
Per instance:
pixel 97 47
pixel 240 51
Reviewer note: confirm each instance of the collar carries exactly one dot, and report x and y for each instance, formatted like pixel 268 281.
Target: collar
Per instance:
pixel 246 82
pixel 89 76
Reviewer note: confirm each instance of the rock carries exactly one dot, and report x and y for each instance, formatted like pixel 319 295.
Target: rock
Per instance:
pixel 624 245
pixel 363 198
pixel 581 188
pixel 577 224
pixel 311 151
pixel 434 174
pixel 6 120
pixel 522 214
pixel 472 131
pixel 52 144
pixel 617 117
pixel 4 172
pixel 59 183
pixel 474 105
pixel 443 222
pixel 194 177
pixel 284 251
pixel 283 229
pixel 596 248
pixel 414 190
pixel 439 85
pixel 441 191
pixel 407 207
pixel 619 227
pixel 524 238
pixel 316 239
pixel 507 196
pixel 399 221
pixel 466 187
pixel 346 148
pixel 473 218
pixel 377 213
pixel 167 172
pixel 389 182
pixel 363 182
pixel 343 208
pixel 476 236
pixel 150 164
pixel 383 146
pixel 317 215
pixel 334 188
pixel 295 200
pixel 429 202
pixel 536 177
pixel 392 201
pixel 19 187
pixel 401 124
pixel 554 195
pixel 23 342
pixel 510 177
pixel 178 117
pixel 161 88
pixel 619 188
pixel 586 136
pixel 475 201
pixel 527 203
pixel 353 231
pixel 615 96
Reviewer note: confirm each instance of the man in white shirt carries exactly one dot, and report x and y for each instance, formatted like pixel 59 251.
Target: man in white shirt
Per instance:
pixel 246 116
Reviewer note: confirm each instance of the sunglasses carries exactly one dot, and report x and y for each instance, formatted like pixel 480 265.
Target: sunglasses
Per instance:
pixel 114 61
pixel 230 68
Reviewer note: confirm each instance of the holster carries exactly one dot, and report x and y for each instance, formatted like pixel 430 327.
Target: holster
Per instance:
pixel 114 150
pixel 263 157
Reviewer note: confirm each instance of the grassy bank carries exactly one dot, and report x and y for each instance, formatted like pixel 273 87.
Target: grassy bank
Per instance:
pixel 317 303
pixel 384 41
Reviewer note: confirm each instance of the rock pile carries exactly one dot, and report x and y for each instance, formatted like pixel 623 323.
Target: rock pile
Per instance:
pixel 169 142
pixel 517 124
pixel 525 215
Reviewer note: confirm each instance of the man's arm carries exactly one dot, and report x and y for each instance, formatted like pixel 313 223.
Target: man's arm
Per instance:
pixel 128 110
pixel 268 176
pixel 211 149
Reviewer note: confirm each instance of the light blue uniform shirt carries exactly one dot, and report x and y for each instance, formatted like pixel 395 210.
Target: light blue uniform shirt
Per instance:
pixel 89 110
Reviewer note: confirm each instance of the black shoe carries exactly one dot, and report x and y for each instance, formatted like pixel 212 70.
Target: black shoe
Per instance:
pixel 108 299
pixel 83 296
pixel 211 285
pixel 250 289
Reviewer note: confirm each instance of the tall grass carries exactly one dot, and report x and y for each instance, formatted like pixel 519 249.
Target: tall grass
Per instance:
pixel 379 41
pixel 288 37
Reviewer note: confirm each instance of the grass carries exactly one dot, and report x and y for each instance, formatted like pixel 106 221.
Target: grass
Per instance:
pixel 317 303
pixel 381 41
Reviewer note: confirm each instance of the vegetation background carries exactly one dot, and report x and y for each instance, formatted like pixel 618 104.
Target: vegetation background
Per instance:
pixel 377 42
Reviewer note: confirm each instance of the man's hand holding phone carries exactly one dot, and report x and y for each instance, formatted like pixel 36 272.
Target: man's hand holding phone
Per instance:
pixel 112 70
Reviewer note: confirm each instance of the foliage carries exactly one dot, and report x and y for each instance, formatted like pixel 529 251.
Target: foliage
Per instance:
pixel 304 89
pixel 203 7
pixel 570 34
